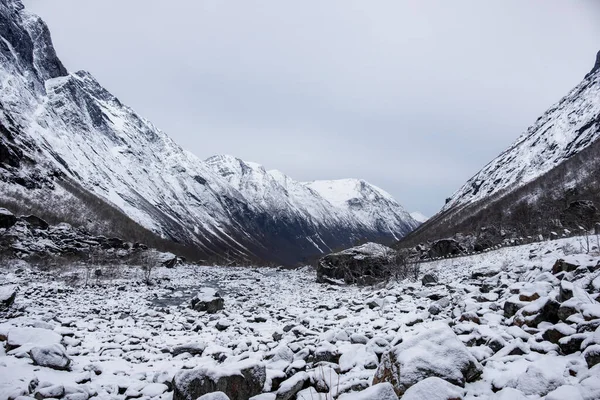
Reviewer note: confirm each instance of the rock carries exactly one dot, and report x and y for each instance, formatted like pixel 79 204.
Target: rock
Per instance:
pixel 222 324
pixel 436 351
pixel 33 336
pixel 214 396
pixel 238 381
pixel 365 264
pixel 445 248
pixel 557 332
pixel 50 392
pixel 563 266
pixel 209 300
pixel 511 307
pixel 51 356
pixel 35 222
pixel 429 279
pixel 541 310
pixel 154 389
pixel 433 389
pixel 380 391
pixel 8 294
pixel 565 291
pixel 571 344
pixel 7 219
pixel 592 355
pixel 538 380
pixel 290 387
pixel 195 349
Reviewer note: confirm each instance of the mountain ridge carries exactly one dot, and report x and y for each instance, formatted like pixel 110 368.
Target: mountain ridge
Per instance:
pixel 69 126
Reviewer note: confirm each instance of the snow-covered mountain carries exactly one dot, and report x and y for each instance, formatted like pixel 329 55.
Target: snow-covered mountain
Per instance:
pixel 418 216
pixel 527 189
pixel 565 129
pixel 57 125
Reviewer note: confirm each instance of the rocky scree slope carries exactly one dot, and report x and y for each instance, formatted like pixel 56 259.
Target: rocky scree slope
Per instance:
pixel 516 323
pixel 56 126
pixel 525 189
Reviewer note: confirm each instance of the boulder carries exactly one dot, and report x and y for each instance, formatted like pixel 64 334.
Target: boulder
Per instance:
pixel 194 349
pixel 435 352
pixel 8 295
pixel 380 391
pixel 7 219
pixel 429 279
pixel 592 355
pixel 239 381
pixel 35 222
pixel 542 310
pixel 51 356
pixel 18 337
pixel 290 387
pixel 364 264
pixel 209 300
pixel 445 248
pixel 563 266
pixel 214 396
pixel 433 389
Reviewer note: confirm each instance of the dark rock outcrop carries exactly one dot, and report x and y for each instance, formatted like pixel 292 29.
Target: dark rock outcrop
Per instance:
pixel 445 248
pixel 364 264
pixel 580 213
pixel 7 219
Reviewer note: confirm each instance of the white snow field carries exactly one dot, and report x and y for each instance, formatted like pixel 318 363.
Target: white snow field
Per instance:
pixel 122 339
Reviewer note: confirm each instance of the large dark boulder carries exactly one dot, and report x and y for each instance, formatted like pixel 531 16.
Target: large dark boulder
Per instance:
pixel 7 219
pixel 208 300
pixel 238 381
pixel 365 264
pixel 8 294
pixel 445 248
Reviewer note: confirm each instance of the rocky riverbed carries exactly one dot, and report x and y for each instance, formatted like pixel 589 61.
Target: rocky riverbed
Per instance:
pixel 508 324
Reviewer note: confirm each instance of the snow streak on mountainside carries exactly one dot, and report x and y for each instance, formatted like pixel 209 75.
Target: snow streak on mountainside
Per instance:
pixel 69 123
pixel 564 130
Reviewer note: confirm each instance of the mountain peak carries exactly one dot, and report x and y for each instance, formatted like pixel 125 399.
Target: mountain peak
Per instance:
pixel 597 65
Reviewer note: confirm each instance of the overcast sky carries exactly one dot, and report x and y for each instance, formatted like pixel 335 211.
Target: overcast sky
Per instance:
pixel 413 96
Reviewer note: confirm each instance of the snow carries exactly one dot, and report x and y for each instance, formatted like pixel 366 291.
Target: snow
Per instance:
pixel 433 389
pixel 132 335
pixel 419 217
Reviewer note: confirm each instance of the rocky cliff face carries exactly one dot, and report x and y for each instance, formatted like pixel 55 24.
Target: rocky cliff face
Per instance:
pixel 56 125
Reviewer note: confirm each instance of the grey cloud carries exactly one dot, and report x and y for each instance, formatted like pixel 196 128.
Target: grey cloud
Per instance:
pixel 414 96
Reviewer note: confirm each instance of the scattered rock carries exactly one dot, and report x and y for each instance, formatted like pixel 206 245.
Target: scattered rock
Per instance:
pixel 429 279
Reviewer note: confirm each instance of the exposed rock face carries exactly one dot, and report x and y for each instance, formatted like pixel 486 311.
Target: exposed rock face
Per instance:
pixel 580 213
pixel 435 353
pixel 367 263
pixel 7 219
pixel 445 248
pixel 238 382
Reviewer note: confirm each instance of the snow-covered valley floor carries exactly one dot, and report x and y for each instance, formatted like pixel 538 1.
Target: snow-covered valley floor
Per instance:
pixel 124 339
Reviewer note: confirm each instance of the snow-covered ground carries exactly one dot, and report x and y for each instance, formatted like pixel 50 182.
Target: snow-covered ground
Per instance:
pixel 124 339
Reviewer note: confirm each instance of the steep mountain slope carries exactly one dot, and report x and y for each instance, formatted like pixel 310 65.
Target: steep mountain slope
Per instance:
pixel 58 126
pixel 526 188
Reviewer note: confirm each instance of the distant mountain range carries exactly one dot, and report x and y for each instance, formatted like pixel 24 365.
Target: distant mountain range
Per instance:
pixel 72 149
